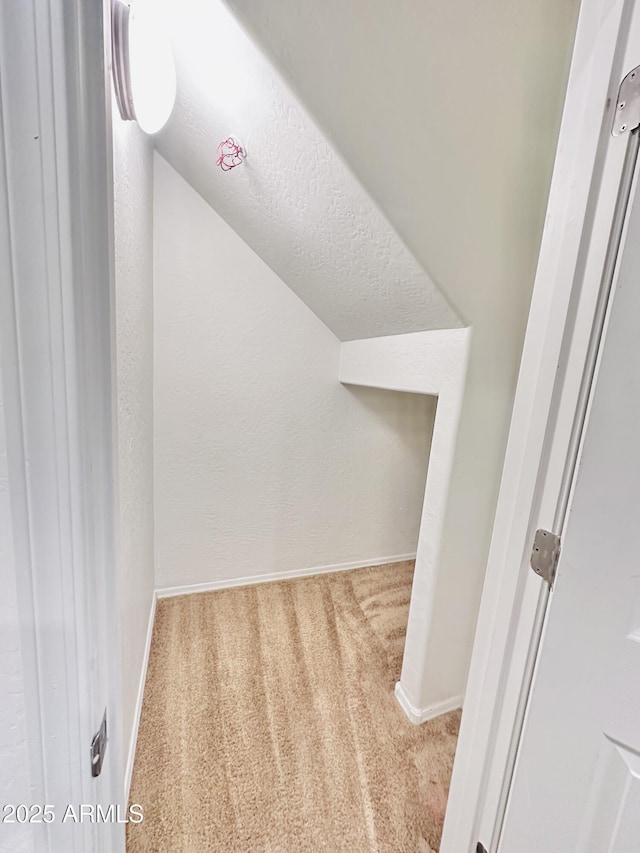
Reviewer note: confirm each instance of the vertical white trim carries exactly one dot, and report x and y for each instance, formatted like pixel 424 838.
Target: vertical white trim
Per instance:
pixel 54 332
pixel 16 456
pixel 133 740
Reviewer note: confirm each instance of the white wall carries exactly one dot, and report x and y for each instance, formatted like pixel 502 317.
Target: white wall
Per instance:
pixel 14 769
pixel 263 461
pixel 448 113
pixel 293 200
pixel 133 200
pixel 433 362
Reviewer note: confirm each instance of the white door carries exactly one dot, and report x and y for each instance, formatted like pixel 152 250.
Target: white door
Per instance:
pixel 576 787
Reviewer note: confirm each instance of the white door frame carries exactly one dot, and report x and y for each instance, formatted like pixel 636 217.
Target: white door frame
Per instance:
pixel 584 189
pixel 56 291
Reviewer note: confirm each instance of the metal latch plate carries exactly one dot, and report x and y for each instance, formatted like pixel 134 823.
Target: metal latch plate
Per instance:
pixel 627 115
pixel 99 746
pixel 545 555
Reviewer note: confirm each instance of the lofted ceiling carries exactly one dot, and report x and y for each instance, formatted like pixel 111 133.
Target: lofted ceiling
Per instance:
pixel 293 200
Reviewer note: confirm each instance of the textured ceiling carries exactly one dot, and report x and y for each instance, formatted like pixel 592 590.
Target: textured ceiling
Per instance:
pixel 447 111
pixel 293 200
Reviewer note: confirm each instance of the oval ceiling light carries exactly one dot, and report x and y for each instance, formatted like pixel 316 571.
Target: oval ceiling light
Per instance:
pixel 144 73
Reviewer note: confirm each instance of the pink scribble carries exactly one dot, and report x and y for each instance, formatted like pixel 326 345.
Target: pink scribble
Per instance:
pixel 230 154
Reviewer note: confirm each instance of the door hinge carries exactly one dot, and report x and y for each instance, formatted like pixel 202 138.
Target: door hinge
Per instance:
pixel 627 114
pixel 99 746
pixel 545 555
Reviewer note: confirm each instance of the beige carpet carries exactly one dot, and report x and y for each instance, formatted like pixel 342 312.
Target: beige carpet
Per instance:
pixel 269 723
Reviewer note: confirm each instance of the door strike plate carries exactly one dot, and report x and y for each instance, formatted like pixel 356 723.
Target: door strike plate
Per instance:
pixel 99 746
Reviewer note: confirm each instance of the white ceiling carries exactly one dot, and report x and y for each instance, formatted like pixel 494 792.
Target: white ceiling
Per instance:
pixel 447 111
pixel 293 201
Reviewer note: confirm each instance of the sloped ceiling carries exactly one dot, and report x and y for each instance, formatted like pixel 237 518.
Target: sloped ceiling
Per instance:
pixel 293 200
pixel 447 111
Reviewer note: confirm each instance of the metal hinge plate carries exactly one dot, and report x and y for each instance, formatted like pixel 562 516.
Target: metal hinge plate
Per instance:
pixel 627 115
pixel 99 747
pixel 545 555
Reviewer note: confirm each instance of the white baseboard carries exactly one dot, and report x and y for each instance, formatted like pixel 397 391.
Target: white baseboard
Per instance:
pixel 421 715
pixel 138 710
pixel 188 589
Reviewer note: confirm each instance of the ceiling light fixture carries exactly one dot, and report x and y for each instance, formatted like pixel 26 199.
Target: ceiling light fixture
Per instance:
pixel 144 74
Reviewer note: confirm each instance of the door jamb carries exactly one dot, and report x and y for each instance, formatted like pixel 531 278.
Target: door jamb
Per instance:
pixel 582 198
pixel 56 275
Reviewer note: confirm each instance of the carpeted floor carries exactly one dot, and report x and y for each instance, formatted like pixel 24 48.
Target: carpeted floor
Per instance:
pixel 269 723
